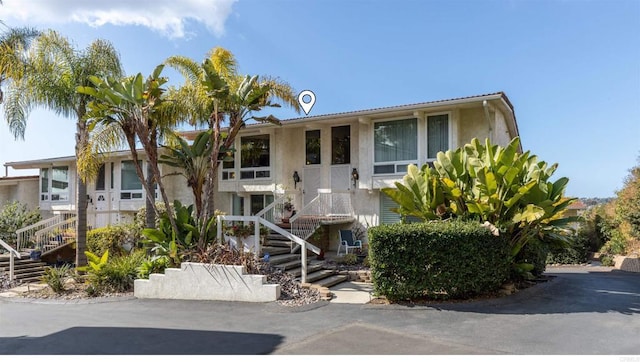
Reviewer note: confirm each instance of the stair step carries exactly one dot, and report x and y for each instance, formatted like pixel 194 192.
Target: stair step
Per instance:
pixel 292 264
pixel 331 281
pixel 274 250
pixel 321 274
pixel 276 260
pixel 311 268
pixel 279 243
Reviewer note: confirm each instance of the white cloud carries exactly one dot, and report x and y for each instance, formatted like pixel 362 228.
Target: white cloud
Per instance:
pixel 165 16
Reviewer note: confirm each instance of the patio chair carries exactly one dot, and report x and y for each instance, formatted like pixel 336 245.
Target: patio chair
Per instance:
pixel 346 241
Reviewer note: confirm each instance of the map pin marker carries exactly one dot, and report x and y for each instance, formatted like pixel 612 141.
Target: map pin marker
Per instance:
pixel 306 106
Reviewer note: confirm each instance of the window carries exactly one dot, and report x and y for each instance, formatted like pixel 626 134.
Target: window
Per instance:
pixel 44 184
pixel 60 183
pixel 437 135
pixel 237 205
pixel 312 142
pixel 395 145
pixel 129 181
pixel 340 145
pixel 389 217
pixel 228 166
pixel 254 157
pixel 100 180
pixel 259 202
pixel 112 179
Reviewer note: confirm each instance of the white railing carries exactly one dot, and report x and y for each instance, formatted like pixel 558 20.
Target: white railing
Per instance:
pixel 257 248
pixel 275 211
pixel 55 235
pixel 12 253
pixel 26 235
pixel 327 206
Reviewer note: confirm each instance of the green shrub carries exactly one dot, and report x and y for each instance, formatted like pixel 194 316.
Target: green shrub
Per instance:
pixel 616 246
pixel 534 256
pixel 55 277
pixel 14 216
pixel 456 259
pixel 576 253
pixel 607 260
pixel 156 265
pixel 349 259
pixel 112 238
pixel 118 274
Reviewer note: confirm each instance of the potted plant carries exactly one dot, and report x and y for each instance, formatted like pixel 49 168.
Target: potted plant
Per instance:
pixel 289 211
pixel 35 254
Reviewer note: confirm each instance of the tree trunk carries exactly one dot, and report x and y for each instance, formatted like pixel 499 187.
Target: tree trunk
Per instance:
pixel 150 213
pixel 82 136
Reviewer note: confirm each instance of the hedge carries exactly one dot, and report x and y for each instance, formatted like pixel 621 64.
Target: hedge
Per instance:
pixel 438 260
pixel 111 238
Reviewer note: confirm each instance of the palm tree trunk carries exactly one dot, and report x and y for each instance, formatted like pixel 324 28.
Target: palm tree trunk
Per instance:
pixel 82 136
pixel 150 214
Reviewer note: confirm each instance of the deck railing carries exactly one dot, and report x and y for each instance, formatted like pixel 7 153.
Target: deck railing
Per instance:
pixel 328 205
pixel 25 236
pixel 55 235
pixel 12 254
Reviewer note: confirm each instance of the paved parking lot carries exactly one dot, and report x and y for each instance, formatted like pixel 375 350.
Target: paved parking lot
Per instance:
pixel 585 310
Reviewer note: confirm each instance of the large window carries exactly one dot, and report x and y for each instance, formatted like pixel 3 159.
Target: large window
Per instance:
pixel 312 147
pixel 54 183
pixel 340 145
pixel 437 135
pixel 130 184
pixel 395 145
pixel 254 157
pixel 228 166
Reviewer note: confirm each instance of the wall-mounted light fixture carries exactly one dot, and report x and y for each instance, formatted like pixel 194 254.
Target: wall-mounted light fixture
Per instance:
pixel 296 179
pixel 355 176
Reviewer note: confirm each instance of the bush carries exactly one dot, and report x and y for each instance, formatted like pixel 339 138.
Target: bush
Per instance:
pixel 111 238
pixel 349 259
pixel 607 260
pixel 56 277
pixel 442 260
pixel 535 254
pixel 15 216
pixel 616 246
pixel 576 253
pixel 117 275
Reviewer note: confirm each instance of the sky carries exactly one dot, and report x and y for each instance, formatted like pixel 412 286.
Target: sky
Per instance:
pixel 570 68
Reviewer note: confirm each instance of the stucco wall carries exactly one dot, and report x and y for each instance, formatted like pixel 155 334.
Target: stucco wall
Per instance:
pixel 472 124
pixel 23 191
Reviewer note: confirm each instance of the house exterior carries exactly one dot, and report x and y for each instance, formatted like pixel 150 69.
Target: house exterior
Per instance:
pixel 352 154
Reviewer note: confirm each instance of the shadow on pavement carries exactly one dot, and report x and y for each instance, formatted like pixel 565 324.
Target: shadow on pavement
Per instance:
pixel 568 292
pixel 149 341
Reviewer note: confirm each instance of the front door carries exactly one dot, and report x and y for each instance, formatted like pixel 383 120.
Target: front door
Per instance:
pixel 311 183
pixel 102 208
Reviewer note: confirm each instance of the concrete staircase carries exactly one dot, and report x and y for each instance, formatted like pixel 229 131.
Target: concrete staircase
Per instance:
pixel 25 269
pixel 279 249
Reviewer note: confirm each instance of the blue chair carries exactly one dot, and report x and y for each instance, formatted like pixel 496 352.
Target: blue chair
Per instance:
pixel 347 241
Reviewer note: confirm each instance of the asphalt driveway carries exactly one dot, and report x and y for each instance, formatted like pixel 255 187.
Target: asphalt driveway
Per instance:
pixel 586 310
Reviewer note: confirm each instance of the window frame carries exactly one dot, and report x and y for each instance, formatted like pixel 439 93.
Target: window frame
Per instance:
pixel 399 166
pixel 259 172
pixel 426 132
pixel 131 194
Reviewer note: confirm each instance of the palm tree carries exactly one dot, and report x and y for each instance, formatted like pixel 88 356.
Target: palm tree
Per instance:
pixel 13 46
pixel 54 69
pixel 221 97
pixel 130 109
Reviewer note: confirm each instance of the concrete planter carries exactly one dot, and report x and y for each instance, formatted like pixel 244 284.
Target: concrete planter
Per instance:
pixel 627 263
pixel 197 281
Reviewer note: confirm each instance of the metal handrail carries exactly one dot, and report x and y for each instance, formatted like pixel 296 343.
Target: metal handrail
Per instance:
pixel 258 248
pixel 327 204
pixel 24 234
pixel 12 252
pixel 40 234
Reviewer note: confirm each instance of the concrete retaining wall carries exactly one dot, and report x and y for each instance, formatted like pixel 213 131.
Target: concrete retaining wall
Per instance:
pixel 197 281
pixel 627 263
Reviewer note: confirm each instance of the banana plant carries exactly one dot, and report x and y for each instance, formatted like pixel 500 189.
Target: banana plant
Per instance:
pixel 419 195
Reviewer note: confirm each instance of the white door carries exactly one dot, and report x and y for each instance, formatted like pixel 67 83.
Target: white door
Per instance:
pixel 311 183
pixel 341 178
pixel 102 217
